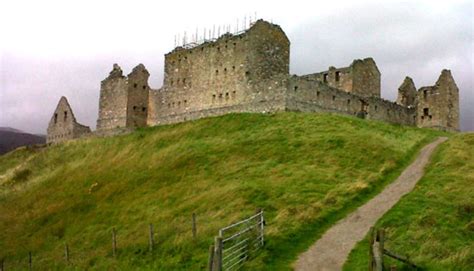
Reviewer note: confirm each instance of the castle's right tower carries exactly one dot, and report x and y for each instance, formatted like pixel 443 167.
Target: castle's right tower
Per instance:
pixel 438 105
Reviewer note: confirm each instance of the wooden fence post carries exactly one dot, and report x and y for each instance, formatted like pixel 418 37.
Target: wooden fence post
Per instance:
pixel 30 261
pixel 381 234
pixel 194 225
pixel 210 260
pixel 371 245
pixel 151 240
pixel 114 242
pixel 66 253
pixel 218 254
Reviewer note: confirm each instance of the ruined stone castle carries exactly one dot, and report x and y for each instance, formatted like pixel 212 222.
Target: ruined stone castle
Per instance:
pixel 249 72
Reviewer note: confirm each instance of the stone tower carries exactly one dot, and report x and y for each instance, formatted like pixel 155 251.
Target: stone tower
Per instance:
pixel 124 99
pixel 438 105
pixel 407 93
pixel 63 125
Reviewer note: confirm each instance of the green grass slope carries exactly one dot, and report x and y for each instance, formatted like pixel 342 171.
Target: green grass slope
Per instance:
pixel 305 170
pixel 434 224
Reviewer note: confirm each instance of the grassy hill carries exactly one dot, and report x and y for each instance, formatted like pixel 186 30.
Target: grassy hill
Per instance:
pixel 305 170
pixel 434 224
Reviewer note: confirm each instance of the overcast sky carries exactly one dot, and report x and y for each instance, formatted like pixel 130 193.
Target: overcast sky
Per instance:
pixel 50 49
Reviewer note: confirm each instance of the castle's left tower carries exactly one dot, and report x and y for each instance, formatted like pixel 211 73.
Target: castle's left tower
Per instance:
pixel 123 99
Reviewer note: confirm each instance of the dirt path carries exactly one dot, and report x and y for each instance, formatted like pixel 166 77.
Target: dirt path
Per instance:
pixel 331 250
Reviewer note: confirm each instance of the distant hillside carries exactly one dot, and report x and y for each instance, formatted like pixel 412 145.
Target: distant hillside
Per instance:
pixel 11 139
pixel 305 170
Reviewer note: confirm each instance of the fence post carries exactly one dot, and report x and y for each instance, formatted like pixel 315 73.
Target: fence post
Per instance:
pixel 381 234
pixel 66 252
pixel 194 225
pixel 218 254
pixel 30 261
pixel 114 242
pixel 371 245
pixel 151 240
pixel 210 261
pixel 262 222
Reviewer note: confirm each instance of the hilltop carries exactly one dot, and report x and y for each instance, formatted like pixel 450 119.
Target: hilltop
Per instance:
pixel 305 170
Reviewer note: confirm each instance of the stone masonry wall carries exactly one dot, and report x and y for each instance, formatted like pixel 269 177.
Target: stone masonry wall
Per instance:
pixel 63 125
pixel 315 96
pixel 137 97
pixel 407 93
pixel 124 100
pixel 362 77
pixel 438 105
pixel 225 75
pixel 113 101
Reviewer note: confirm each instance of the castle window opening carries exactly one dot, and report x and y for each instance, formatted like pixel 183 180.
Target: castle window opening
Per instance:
pixel 144 87
pixel 65 115
pixel 217 72
pixel 233 92
pixel 143 109
pixel 348 101
pixel 233 68
pixel 338 75
pixel 172 82
pixel 169 105
pixel 325 78
pixel 185 101
pixel 426 111
pixel 235 44
pixel 135 85
pixel 220 95
pixel 375 107
pixel 184 80
pixel 219 49
pixel 317 93
pixel 225 70
pixel 430 117
pixel 134 108
pixel 247 73
pixel 226 46
pixel 296 88
pixel 425 94
pixel 55 118
pixel 213 97
pixel 333 97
